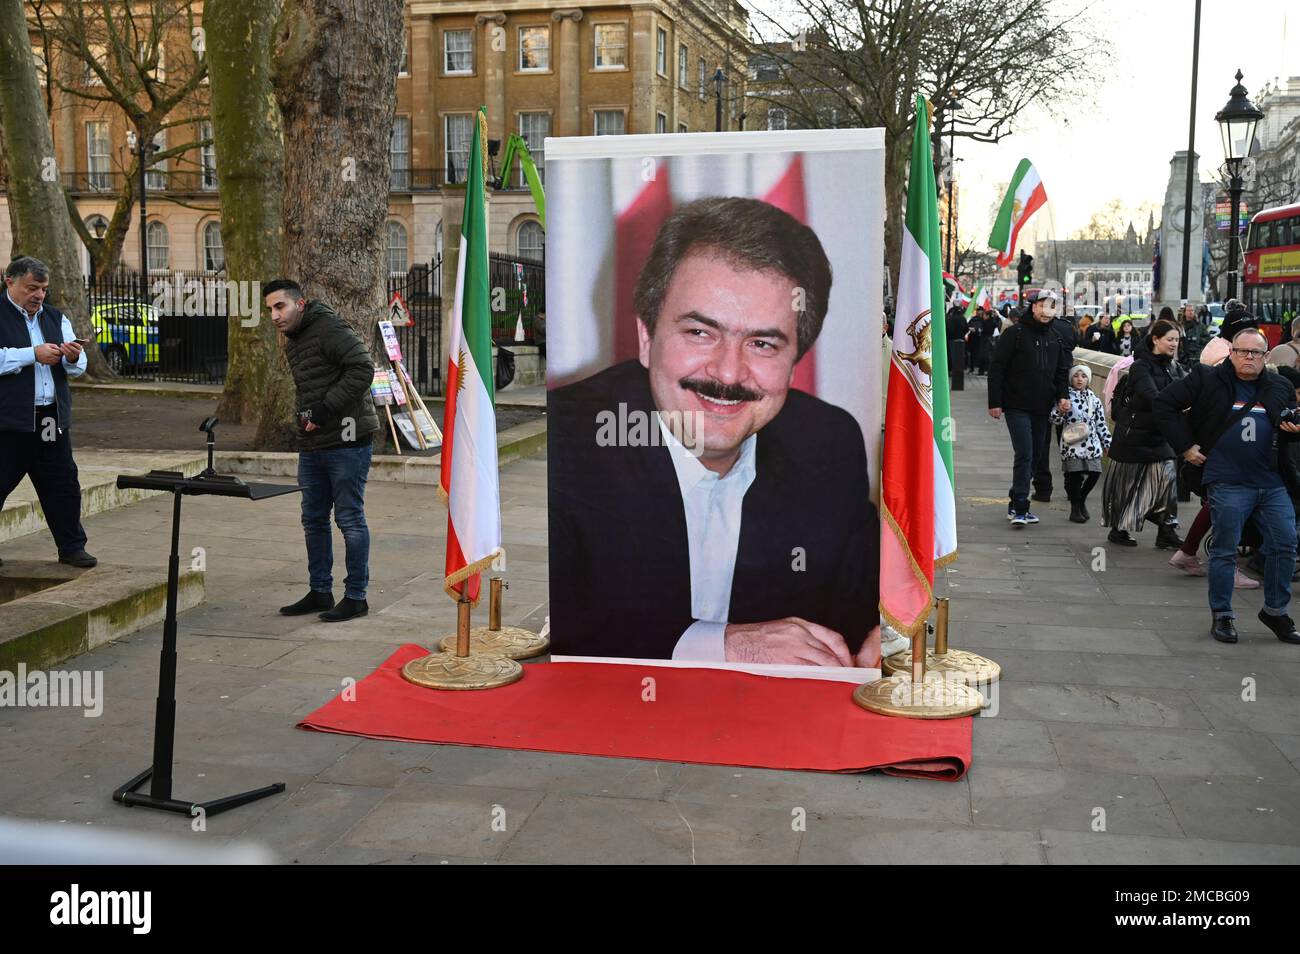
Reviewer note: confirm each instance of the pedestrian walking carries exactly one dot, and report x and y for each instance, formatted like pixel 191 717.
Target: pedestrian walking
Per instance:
pixel 1084 440
pixel 1287 354
pixel 1223 420
pixel 1028 375
pixel 1141 482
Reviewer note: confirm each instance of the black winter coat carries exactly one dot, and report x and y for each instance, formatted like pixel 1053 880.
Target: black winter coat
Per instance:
pixel 332 373
pixel 1030 369
pixel 1207 394
pixel 1139 439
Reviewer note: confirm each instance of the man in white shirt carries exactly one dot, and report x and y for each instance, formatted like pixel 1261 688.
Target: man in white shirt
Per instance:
pixel 736 524
pixel 38 353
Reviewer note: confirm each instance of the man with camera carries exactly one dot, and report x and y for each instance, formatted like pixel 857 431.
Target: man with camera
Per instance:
pixel 1236 409
pixel 332 373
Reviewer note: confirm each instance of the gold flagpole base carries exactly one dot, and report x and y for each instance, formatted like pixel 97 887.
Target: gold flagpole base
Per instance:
pixel 972 667
pixel 935 698
pixel 509 641
pixel 446 670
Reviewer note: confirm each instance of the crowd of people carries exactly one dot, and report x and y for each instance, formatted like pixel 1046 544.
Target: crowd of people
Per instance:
pixel 1185 413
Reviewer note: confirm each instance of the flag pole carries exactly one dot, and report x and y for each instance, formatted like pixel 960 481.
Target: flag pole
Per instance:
pixel 917 499
pixel 469 480
pixel 513 642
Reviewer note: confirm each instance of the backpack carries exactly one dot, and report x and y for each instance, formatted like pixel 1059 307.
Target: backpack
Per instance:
pixel 1121 400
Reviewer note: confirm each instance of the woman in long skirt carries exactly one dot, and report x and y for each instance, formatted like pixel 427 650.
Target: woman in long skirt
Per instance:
pixel 1142 480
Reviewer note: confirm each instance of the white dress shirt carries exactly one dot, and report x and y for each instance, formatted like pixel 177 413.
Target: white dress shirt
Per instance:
pixel 713 508
pixel 13 360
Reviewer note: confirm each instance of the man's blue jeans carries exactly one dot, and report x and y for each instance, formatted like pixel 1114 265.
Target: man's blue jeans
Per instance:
pixel 1028 438
pixel 1231 505
pixel 336 479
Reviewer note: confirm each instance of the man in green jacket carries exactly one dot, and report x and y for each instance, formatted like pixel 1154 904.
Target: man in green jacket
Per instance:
pixel 332 373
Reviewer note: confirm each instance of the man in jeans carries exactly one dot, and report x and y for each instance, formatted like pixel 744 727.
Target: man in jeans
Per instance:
pixel 332 373
pixel 1235 410
pixel 1029 373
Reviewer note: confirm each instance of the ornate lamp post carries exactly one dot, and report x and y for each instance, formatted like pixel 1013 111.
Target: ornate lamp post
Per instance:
pixel 1237 121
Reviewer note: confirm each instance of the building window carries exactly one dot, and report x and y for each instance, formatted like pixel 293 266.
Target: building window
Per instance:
pixel 399 155
pixel 98 53
pixel 396 248
pixel 776 118
pixel 157 246
pixel 459 137
pixel 214 253
pixel 97 167
pixel 208 157
pixel 458 49
pixel 38 56
pixel 155 178
pixel 530 241
pixel 534 48
pixel 681 127
pixel 683 68
pixel 403 65
pixel 701 77
pixel 661 51
pixel 610 122
pixel 611 45
pixel 534 128
pixel 661 123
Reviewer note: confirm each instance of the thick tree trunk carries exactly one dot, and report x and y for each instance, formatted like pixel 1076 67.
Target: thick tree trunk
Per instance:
pixel 250 169
pixel 37 204
pixel 335 79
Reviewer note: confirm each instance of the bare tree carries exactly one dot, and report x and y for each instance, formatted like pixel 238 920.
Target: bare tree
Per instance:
pixel 335 77
pixel 249 150
pixel 36 200
pixel 870 58
pixel 139 58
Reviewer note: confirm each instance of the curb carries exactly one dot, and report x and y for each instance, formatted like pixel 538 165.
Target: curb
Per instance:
pixel 102 604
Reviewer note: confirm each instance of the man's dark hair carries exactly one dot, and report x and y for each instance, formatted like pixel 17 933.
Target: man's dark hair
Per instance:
pixel 283 284
pixel 1166 313
pixel 750 233
pixel 24 264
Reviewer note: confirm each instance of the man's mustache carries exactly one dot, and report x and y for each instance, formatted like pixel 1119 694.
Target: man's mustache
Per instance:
pixel 707 387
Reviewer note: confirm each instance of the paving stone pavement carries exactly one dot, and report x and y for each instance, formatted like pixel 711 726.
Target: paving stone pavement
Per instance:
pixel 1121 733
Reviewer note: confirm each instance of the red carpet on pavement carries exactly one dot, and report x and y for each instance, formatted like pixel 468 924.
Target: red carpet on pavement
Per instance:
pixel 710 716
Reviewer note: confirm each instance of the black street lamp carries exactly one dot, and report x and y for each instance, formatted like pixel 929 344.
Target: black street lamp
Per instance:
pixel 718 80
pixel 1237 122
pixel 143 147
pixel 99 227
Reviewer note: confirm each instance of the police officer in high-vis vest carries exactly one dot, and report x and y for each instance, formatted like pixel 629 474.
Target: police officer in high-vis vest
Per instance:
pixel 38 353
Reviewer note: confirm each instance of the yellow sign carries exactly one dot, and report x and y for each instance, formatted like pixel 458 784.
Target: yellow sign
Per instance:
pixel 1280 265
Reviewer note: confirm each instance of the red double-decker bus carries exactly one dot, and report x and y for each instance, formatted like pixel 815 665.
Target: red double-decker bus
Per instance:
pixel 1271 271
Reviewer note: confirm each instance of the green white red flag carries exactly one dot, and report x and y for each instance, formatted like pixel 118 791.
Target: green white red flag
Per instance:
pixel 983 298
pixel 917 498
pixel 1025 196
pixel 469 478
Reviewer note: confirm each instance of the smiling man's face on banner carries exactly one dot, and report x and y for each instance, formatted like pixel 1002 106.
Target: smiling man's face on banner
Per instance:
pixel 723 350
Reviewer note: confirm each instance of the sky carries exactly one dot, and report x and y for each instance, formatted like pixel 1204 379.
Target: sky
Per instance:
pixel 1121 146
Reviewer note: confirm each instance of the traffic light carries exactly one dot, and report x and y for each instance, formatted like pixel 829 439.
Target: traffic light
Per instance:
pixel 1025 269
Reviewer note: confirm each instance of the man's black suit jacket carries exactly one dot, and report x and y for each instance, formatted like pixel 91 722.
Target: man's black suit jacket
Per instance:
pixel 619 560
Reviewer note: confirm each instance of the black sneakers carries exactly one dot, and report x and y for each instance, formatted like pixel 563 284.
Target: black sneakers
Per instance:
pixel 313 602
pixel 1223 630
pixel 1282 626
pixel 78 558
pixel 346 609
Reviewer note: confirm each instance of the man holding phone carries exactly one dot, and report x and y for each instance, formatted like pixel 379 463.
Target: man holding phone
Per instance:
pixel 38 353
